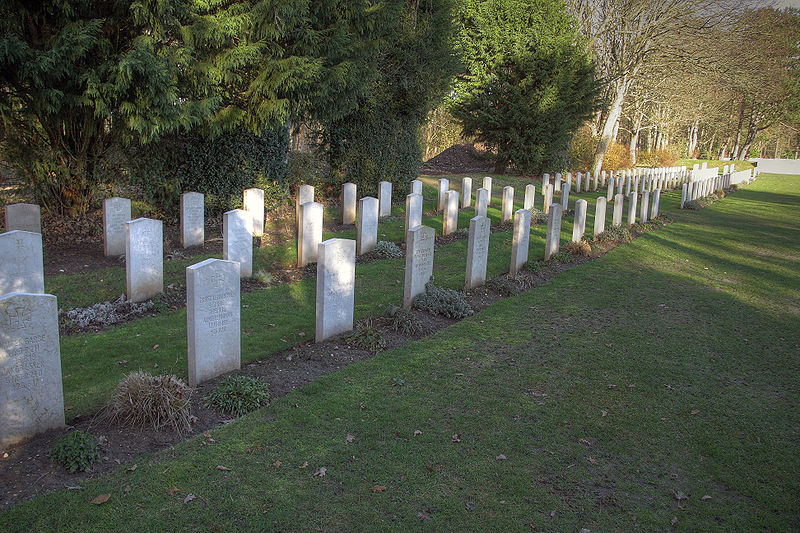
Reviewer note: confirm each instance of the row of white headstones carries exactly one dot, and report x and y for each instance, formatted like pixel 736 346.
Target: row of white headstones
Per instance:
pixel 31 398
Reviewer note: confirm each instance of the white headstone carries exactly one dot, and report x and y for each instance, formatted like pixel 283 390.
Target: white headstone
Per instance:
pixel 450 215
pixel 31 394
pixel 632 199
pixel 24 217
pixel 309 233
pixel 557 182
pixel 547 198
pixel 578 182
pixel 610 193
pixel 419 262
pixel 520 242
pixel 367 227
pixel 600 215
pixel 545 179
pixel 416 187
pixel 336 283
pixel 144 258
pixel 385 198
pixel 553 236
pixel 645 209
pixel 237 240
pixel 413 213
pixel 588 178
pixel 481 202
pixel 305 194
pixel 254 204
pixel 477 252
pixel 487 184
pixel 507 204
pixel 444 186
pixel 212 319
pixel 116 212
pixel 21 265
pixel 349 201
pixel 466 192
pixel 192 219
pixel 530 196
pixel 656 203
pixel 579 222
pixel 565 196
pixel 619 201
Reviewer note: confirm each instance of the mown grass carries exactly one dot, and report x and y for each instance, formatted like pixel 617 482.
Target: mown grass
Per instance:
pixel 620 394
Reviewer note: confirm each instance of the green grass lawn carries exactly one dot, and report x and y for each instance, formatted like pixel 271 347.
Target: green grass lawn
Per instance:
pixel 615 397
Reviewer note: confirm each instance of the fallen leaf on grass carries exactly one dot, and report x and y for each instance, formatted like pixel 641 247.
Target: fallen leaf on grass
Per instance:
pixel 155 346
pixel 470 506
pixel 378 488
pixel 500 457
pixel 584 441
pixel 130 468
pixel 321 472
pixel 552 513
pixel 706 498
pixel 103 498
pixel 69 487
pixel 603 413
pixel 253 449
pixel 173 490
pixel 350 438
pixel 674 520
pixel 417 432
pixel 189 497
pixel 423 516
pixel 695 411
pixel 223 468
pixel 277 464
pixel 592 460
pixel 679 495
pixel 127 488
pixel 304 465
pixel 457 437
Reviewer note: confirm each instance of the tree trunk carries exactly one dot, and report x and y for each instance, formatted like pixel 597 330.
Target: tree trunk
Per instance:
pixel 620 88
pixel 738 145
pixel 637 126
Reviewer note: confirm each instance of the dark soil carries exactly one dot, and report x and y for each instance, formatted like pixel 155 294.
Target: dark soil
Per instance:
pixel 458 159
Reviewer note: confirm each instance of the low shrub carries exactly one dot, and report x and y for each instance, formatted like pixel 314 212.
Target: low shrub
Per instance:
pixel 538 217
pixel 402 320
pixel 562 256
pixel 389 250
pixel 533 266
pixel 77 450
pixel 142 399
pixel 503 286
pixel 581 248
pixel 615 234
pixel 693 205
pixel 368 337
pixel 444 302
pixel 238 395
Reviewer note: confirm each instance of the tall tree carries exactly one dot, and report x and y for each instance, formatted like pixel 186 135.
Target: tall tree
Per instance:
pixel 528 85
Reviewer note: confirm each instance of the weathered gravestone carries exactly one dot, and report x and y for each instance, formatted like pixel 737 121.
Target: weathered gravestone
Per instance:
pixel 309 233
pixel 553 237
pixel 450 216
pixel 477 252
pixel 565 196
pixel 547 198
pixel 24 217
pixel 212 319
pixel 419 262
pixel 579 222
pixel 481 202
pixel 336 281
pixel 466 192
pixel 367 227
pixel 31 395
pixel 237 240
pixel 444 186
pixel 520 242
pixel 619 201
pixel 632 199
pixel 656 203
pixel 192 219
pixel 610 193
pixel 507 206
pixel 545 180
pixel 385 198
pixel 254 204
pixel 530 197
pixel 305 194
pixel 557 182
pixel 144 258
pixel 487 184
pixel 349 201
pixel 21 265
pixel 600 215
pixel 116 212
pixel 413 213
pixel 645 208
pixel 416 187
